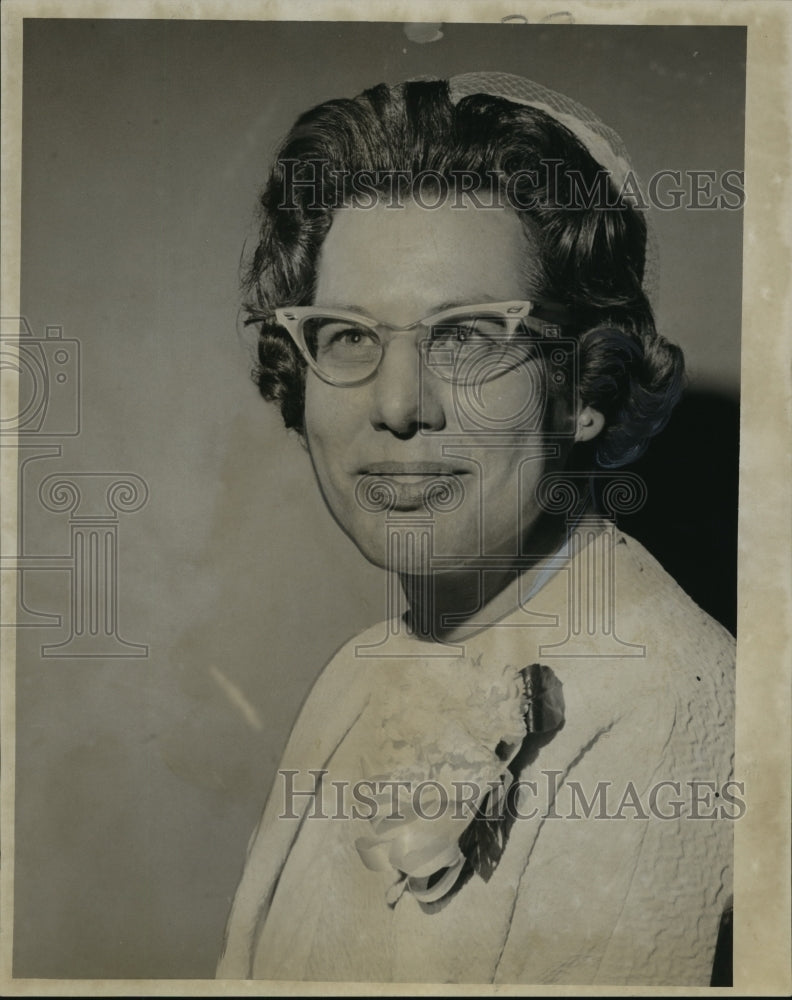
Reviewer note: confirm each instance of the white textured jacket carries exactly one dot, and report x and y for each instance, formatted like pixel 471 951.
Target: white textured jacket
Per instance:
pixel 618 867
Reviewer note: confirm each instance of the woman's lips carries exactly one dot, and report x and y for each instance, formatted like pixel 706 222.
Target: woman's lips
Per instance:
pixel 404 486
pixel 416 468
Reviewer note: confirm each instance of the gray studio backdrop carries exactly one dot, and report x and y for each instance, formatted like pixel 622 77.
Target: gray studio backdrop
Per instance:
pixel 212 583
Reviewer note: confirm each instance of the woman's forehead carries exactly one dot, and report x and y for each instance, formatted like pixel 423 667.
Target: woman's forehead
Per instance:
pixel 412 260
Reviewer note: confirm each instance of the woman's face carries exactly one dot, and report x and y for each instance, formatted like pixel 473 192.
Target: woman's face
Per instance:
pixel 406 426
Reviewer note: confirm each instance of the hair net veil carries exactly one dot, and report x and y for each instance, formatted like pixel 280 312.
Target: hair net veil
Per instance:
pixel 602 142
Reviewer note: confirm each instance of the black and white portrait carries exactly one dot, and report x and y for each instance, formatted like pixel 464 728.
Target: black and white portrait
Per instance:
pixel 375 446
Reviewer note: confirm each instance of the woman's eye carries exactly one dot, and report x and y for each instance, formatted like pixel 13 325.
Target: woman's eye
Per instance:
pixel 345 335
pixel 336 340
pixel 463 332
pixel 349 335
pixel 470 329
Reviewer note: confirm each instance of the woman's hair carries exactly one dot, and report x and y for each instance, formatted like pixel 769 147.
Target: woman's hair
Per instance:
pixel 592 249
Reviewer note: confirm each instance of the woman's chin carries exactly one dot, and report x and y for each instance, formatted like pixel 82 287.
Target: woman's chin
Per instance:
pixel 415 548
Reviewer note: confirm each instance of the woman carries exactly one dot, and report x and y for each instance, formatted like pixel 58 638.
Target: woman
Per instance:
pixel 524 776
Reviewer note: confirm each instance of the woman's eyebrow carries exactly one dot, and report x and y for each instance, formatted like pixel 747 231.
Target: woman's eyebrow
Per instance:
pixel 441 307
pixel 462 303
pixel 352 307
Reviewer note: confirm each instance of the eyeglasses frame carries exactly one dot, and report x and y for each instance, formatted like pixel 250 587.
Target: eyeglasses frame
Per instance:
pixel 547 317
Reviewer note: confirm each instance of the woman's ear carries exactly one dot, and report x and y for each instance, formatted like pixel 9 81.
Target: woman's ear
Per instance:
pixel 589 424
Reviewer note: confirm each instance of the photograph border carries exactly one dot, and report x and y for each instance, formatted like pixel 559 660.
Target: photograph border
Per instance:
pixel 762 919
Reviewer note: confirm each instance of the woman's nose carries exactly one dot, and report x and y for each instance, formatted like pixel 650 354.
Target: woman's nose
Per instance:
pixel 405 394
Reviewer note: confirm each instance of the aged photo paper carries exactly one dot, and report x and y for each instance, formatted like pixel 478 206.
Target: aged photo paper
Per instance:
pixel 174 580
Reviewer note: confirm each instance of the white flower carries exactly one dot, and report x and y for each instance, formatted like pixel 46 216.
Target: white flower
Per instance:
pixel 451 722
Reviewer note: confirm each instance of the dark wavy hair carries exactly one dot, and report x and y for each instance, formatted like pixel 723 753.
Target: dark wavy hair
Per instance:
pixel 592 256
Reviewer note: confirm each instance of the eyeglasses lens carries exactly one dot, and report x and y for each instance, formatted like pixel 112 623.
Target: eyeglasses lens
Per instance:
pixel 475 345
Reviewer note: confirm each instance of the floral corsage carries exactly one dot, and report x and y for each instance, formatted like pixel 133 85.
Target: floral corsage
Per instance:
pixel 440 765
